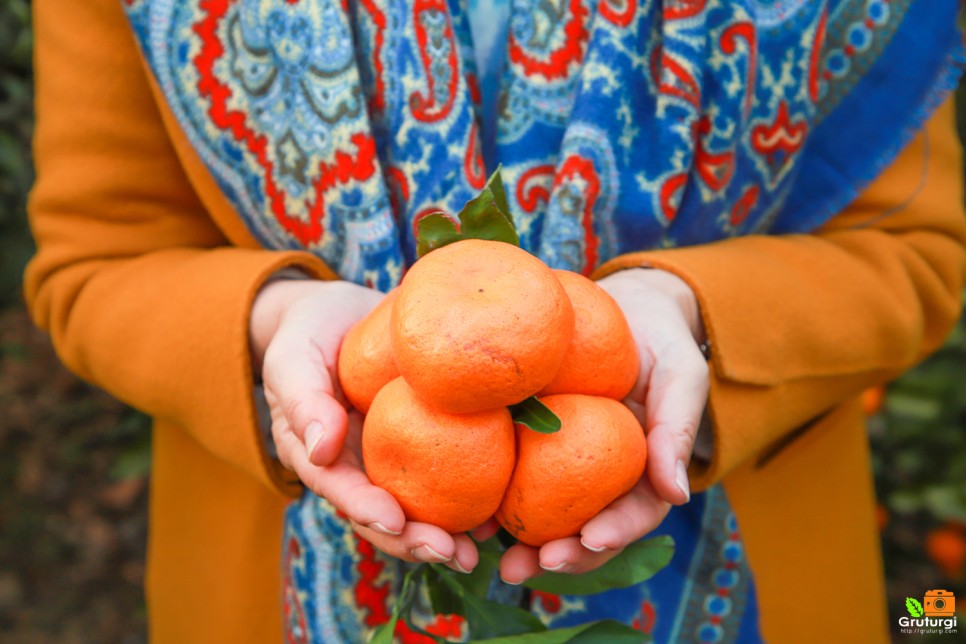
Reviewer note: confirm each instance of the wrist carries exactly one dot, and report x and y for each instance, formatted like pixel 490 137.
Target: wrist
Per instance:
pixel 674 288
pixel 272 300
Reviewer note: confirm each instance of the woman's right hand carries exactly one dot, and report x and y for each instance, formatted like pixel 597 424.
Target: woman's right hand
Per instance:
pixel 296 330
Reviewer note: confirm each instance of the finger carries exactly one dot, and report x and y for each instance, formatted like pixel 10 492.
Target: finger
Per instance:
pixel 519 563
pixel 626 520
pixel 465 556
pixel 418 542
pixel 569 556
pixel 676 398
pixel 299 389
pixel 348 488
pixel 483 532
pixel 287 445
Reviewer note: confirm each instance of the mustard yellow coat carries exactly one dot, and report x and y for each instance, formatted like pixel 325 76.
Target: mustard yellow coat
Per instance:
pixel 144 277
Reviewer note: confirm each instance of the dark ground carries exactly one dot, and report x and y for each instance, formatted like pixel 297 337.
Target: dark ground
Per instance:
pixel 72 501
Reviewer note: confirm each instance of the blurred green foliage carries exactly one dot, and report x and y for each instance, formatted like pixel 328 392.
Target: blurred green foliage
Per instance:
pixel 16 170
pixel 920 437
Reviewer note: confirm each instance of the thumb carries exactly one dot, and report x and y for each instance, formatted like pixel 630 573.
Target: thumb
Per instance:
pixel 676 398
pixel 300 392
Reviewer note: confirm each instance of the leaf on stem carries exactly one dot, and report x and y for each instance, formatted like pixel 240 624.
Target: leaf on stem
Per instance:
pixel 384 634
pixel 486 216
pixel 535 415
pixel 442 598
pixel 638 562
pixel 433 231
pixel 487 618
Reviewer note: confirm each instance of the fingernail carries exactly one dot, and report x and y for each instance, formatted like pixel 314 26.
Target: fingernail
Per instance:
pixel 563 566
pixel 427 554
pixel 313 434
pixel 459 568
pixel 681 479
pixel 511 583
pixel 592 548
pixel 381 529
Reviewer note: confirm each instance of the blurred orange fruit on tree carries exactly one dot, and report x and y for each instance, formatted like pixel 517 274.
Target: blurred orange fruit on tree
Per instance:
pixel 881 517
pixel 873 399
pixel 946 547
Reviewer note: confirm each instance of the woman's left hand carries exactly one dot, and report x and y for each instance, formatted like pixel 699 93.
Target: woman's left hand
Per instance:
pixel 669 399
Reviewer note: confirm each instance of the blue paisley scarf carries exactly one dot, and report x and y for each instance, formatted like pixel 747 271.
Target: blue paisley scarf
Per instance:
pixel 333 126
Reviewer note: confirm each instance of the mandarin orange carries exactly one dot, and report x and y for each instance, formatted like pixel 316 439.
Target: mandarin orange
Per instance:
pixel 873 399
pixel 449 470
pixel 564 479
pixel 366 363
pixel 946 547
pixel 602 359
pixel 479 325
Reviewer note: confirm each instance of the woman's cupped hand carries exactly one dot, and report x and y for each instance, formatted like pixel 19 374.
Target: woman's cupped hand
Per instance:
pixel 668 399
pixel 296 329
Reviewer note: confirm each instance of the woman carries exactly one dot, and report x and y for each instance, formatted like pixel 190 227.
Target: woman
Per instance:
pixel 203 186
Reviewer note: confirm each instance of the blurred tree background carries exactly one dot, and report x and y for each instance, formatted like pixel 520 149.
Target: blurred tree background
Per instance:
pixel 74 463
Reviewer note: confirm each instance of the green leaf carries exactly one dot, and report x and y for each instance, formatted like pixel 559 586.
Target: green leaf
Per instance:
pixel 442 598
pixel 487 618
pixel 535 415
pixel 914 607
pixel 592 633
pixel 433 231
pixel 495 186
pixel 384 634
pixel 487 216
pixel 478 582
pixel 609 631
pixel 638 562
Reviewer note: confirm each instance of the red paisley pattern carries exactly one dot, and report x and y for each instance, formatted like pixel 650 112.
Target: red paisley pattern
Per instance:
pixel 377 102
pixel 619 12
pixel 424 105
pixel 746 32
pixel 782 139
pixel 534 185
pixel 473 161
pixel 814 62
pixel 715 169
pixel 346 166
pixel 560 62
pixel 576 167
pixel 674 79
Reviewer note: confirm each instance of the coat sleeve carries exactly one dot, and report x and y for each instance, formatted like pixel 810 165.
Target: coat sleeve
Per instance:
pixel 800 323
pixel 141 292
